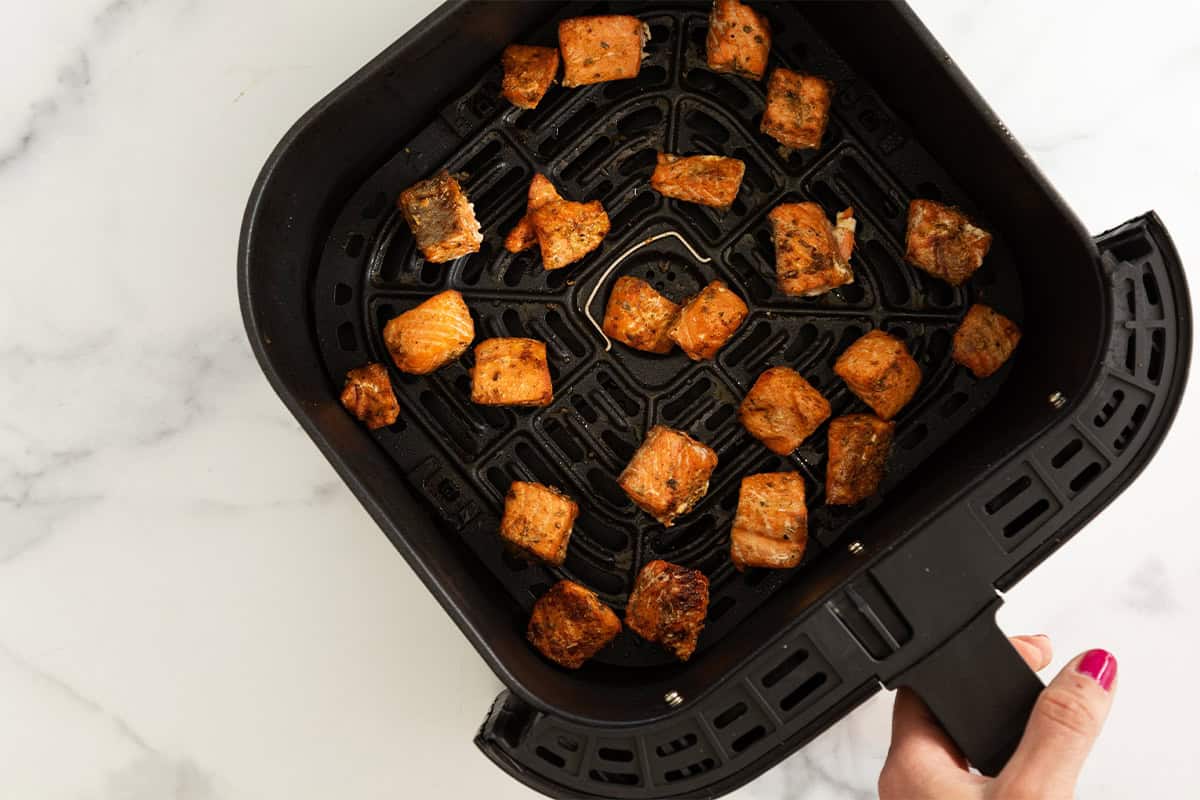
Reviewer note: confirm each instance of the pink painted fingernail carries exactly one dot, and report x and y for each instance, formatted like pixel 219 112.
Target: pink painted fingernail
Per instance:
pixel 1100 666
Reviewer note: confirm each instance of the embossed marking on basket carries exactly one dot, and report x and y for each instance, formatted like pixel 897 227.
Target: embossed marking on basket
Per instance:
pixel 587 307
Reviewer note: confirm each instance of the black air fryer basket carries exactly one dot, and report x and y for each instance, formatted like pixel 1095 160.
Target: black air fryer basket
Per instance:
pixel 987 478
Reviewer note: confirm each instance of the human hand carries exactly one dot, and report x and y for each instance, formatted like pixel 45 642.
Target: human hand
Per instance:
pixel 923 764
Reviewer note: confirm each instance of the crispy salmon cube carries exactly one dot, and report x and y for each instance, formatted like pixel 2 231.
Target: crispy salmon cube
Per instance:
pixel 707 180
pixel 511 372
pixel 567 231
pixel 942 241
pixel 523 236
pixel 985 340
pixel 368 395
pixel 569 624
pixel 770 528
pixel 596 49
pixel 879 369
pixel 797 109
pixel 859 445
pixel 668 605
pixel 528 73
pixel 668 474
pixel 431 335
pixel 639 316
pixel 708 320
pixel 538 520
pixel 782 410
pixel 441 218
pixel 809 251
pixel 739 39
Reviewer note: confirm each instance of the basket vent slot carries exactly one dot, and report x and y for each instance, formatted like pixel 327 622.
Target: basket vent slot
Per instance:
pixel 676 745
pixel 690 771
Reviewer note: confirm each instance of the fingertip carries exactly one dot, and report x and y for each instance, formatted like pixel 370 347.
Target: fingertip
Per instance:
pixel 1036 649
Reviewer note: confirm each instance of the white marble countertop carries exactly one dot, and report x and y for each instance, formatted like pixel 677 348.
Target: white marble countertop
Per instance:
pixel 193 606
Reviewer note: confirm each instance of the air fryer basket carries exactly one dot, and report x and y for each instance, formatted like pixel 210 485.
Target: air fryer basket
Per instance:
pixel 900 591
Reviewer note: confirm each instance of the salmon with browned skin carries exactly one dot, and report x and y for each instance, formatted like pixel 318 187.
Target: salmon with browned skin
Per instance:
pixel 368 395
pixel 739 39
pixel 441 218
pixel 538 520
pixel 637 315
pixel 511 372
pixel 985 340
pixel 668 605
pixel 528 73
pixel 782 409
pixel 523 236
pixel 708 320
pixel 707 180
pixel 431 335
pixel 859 445
pixel 880 370
pixel 770 528
pixel 605 48
pixel 797 110
pixel 944 242
pixel 811 255
pixel 668 474
pixel 569 624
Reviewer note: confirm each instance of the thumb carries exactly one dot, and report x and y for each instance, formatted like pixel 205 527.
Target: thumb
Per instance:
pixel 1065 722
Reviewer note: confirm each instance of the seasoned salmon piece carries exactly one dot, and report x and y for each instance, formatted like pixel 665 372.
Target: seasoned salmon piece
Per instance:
pixel 528 73
pixel 441 218
pixel 668 605
pixel 523 236
pixel 985 340
pixel 739 39
pixel 431 335
pixel 569 624
pixel 368 395
pixel 639 316
pixel 782 410
pixel 797 109
pixel 859 445
pixel 707 180
pixel 596 49
pixel 770 528
pixel 668 474
pixel 538 521
pixel 811 256
pixel 511 372
pixel 707 321
pixel 567 231
pixel 942 241
pixel 879 369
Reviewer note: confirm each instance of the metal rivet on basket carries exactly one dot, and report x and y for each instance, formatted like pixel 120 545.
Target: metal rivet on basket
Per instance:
pixel 856 548
pixel 1058 400
pixel 673 698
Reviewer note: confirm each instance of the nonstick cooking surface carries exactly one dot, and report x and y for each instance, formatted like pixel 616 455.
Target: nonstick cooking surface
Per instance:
pixel 600 142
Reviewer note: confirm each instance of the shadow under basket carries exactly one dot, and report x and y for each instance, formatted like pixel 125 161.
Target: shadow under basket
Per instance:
pixel 988 477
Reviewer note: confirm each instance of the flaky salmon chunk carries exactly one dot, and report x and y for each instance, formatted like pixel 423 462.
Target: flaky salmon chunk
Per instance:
pixel 811 255
pixel 707 180
pixel 797 109
pixel 431 335
pixel 596 49
pixel 708 320
pixel 668 474
pixel 770 528
pixel 538 520
pixel 528 73
pixel 368 395
pixel 880 370
pixel 511 372
pixel 523 236
pixel 441 218
pixel 739 39
pixel 637 315
pixel 569 624
pixel 859 445
pixel 782 409
pixel 985 340
pixel 944 242
pixel 567 231
pixel 668 605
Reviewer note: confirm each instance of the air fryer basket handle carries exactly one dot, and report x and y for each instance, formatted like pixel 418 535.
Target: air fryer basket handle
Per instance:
pixel 979 689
